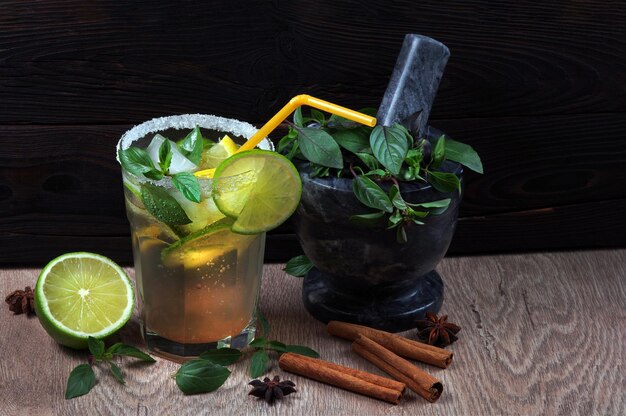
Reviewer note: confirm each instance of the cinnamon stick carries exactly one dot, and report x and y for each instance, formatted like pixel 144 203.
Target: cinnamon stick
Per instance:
pixel 400 345
pixel 417 380
pixel 342 377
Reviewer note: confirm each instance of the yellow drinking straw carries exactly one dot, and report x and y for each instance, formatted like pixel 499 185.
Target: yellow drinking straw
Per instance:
pixel 290 107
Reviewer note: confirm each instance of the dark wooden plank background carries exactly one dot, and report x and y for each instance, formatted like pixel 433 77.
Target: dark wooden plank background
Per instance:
pixel 538 88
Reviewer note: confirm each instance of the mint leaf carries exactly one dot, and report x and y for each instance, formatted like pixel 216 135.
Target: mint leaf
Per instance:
pixel 434 207
pixel 298 266
pixel 390 146
pixel 222 356
pixel 297 117
pixel 129 351
pixel 276 346
pixel 81 381
pixel 353 140
pixel 258 363
pixel 188 185
pixel 444 182
pixel 200 376
pixel 96 347
pixel 439 153
pixel 191 146
pixel 401 235
pixel 370 194
pixel 136 161
pixel 265 325
pixel 369 161
pixel 302 350
pixel 117 373
pixel 396 198
pixel 162 205
pixel 258 343
pixel 318 116
pixel 463 154
pixel 165 155
pixel 368 220
pixel 319 147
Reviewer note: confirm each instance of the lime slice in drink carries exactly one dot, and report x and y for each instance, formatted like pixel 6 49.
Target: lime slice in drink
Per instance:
pixel 266 199
pixel 201 247
pixel 80 295
pixel 214 155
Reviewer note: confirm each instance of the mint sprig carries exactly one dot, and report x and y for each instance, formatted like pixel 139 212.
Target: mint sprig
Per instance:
pixel 375 155
pixel 298 266
pixel 260 359
pixel 82 378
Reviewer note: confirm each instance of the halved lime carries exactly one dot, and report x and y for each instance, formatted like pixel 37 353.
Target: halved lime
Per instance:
pixel 80 295
pixel 264 201
pixel 199 248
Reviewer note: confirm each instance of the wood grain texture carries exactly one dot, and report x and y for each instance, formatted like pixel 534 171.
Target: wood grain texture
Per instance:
pixel 542 334
pixel 104 62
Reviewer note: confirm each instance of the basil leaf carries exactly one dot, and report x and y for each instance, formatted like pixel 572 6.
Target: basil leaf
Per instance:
pixel 464 154
pixel 353 140
pixel 297 117
pixel 258 343
pixel 319 147
pixel 318 116
pixel 368 220
pixel 165 155
pixel 401 235
pixel 188 185
pixel 265 325
pixel 396 198
pixel 258 363
pixel 200 376
pixel 81 381
pixel 153 174
pixel 440 151
pixel 442 203
pixel 302 350
pixel 414 158
pixel 191 146
pixel 369 161
pixel 222 356
pixel 390 146
pixel 444 182
pixel 287 140
pixel 416 214
pixel 129 351
pixel 276 346
pixel 394 219
pixel 162 205
pixel 136 160
pixel 370 194
pixel 117 373
pixel 96 347
pixel 376 172
pixel 298 266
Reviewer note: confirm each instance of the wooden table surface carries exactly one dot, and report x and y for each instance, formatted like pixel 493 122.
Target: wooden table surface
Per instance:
pixel 542 334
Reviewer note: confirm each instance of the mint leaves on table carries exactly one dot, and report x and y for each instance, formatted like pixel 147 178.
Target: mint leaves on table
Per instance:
pixel 82 378
pixel 207 373
pixel 261 358
pixel 338 147
pixel 298 266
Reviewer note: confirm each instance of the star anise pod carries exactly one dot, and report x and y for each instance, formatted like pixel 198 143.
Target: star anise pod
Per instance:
pixel 21 301
pixel 270 390
pixel 437 331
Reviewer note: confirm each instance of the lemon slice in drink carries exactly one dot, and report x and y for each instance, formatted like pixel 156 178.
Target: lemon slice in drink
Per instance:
pixel 213 156
pixel 80 295
pixel 266 199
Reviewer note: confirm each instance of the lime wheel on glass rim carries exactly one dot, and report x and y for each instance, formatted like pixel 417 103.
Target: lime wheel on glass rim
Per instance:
pixel 265 198
pixel 79 295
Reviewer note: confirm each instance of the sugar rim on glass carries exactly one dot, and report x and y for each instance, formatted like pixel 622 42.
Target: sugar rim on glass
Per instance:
pixel 188 122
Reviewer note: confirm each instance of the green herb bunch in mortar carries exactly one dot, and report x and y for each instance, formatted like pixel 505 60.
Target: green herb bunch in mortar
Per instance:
pixel 372 156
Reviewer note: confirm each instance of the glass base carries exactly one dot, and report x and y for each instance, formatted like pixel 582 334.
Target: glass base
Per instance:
pixel 179 352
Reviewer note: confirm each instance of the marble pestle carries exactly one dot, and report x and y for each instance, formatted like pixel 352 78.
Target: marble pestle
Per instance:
pixel 413 84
